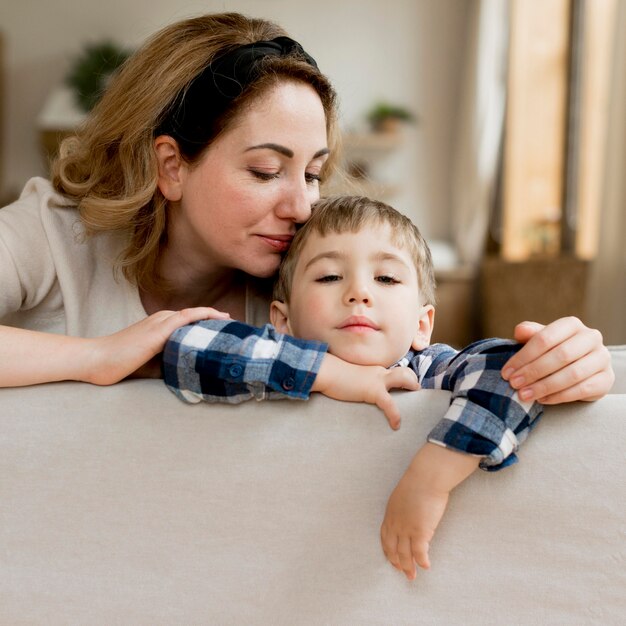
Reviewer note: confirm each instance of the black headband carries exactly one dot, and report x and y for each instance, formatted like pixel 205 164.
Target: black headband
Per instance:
pixel 191 118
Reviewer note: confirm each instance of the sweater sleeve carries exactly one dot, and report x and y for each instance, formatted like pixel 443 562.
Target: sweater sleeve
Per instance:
pixel 486 416
pixel 229 361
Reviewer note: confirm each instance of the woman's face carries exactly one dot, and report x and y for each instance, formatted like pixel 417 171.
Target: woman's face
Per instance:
pixel 239 205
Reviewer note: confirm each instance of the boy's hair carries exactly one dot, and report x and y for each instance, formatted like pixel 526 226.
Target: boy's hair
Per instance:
pixel 340 214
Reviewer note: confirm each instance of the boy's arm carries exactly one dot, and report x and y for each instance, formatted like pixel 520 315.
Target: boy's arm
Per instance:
pixel 229 361
pixel 345 381
pixel 483 427
pixel 417 504
pixel 486 416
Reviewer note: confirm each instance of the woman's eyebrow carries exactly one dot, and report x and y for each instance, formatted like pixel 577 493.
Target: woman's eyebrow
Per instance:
pixel 283 150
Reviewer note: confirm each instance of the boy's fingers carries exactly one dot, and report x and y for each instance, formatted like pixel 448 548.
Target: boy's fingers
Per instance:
pixel 386 404
pixel 406 558
pixel 402 378
pixel 420 553
pixel 389 543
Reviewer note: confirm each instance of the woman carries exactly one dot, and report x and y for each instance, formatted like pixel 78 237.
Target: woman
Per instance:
pixel 182 190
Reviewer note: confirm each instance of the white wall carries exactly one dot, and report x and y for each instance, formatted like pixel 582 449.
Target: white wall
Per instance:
pixel 407 51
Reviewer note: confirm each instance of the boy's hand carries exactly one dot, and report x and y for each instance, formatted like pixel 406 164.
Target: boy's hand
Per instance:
pixel 417 504
pixel 412 516
pixel 345 381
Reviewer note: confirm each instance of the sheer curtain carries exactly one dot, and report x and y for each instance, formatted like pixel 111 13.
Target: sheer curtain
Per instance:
pixel 480 126
pixel 608 285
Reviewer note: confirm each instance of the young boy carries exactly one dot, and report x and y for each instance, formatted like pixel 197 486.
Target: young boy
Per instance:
pixel 359 278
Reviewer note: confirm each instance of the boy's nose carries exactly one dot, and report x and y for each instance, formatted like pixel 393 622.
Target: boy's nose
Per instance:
pixel 358 293
pixel 363 298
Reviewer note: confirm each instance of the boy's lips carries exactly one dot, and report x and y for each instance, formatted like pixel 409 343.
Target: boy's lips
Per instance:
pixel 278 242
pixel 358 323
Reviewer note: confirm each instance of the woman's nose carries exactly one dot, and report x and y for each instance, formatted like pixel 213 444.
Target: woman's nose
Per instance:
pixel 296 205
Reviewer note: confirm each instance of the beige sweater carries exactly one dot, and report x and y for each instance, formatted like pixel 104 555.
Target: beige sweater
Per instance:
pixel 54 279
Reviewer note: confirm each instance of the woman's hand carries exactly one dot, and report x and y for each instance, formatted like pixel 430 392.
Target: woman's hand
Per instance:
pixel 125 353
pixel 561 362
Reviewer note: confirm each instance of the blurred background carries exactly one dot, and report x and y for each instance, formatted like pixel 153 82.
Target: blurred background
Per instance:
pixel 498 126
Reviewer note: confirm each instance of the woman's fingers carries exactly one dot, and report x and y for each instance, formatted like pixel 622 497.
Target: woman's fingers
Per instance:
pixel 564 361
pixel 579 374
pixel 166 322
pixel 190 315
pixel 587 390
pixel 543 340
pixel 524 331
pixel 570 354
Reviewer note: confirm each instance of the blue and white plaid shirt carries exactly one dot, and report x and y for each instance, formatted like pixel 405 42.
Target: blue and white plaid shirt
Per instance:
pixel 229 361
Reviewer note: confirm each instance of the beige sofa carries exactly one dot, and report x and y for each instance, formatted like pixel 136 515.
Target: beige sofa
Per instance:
pixel 122 505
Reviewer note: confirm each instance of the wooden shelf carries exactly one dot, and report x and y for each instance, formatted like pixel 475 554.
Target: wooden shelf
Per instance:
pixel 362 187
pixel 374 144
pixel 363 151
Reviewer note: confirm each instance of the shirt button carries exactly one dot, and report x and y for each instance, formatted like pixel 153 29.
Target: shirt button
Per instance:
pixel 289 384
pixel 236 371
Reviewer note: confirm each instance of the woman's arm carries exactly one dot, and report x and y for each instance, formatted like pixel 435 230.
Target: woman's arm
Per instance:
pixel 561 362
pixel 29 357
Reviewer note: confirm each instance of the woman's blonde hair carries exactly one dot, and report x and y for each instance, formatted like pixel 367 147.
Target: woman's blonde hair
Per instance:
pixel 341 214
pixel 109 166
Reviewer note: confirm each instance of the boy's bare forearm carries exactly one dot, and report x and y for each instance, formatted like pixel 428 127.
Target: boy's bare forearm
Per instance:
pixel 438 469
pixel 417 505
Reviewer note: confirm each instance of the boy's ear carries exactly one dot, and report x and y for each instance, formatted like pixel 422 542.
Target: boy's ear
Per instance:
pixel 425 326
pixel 279 317
pixel 171 166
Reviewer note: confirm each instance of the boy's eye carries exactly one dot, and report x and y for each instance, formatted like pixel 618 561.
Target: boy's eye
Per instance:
pixel 387 279
pixel 329 278
pixel 263 175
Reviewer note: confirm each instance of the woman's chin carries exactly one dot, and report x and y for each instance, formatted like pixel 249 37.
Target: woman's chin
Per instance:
pixel 267 269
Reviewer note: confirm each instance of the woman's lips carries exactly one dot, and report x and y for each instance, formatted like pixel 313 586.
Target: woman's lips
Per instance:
pixel 279 243
pixel 358 323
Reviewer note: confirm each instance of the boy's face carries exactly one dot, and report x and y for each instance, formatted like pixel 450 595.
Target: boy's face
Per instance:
pixel 359 293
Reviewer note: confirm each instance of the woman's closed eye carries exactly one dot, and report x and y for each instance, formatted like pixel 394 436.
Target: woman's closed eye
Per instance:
pixel 265 176
pixel 312 178
pixel 309 177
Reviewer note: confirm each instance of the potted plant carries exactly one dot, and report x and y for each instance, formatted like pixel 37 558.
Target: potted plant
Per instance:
pixel 91 71
pixel 386 117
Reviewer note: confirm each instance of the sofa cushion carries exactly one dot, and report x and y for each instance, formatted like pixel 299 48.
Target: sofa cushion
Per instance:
pixel 618 356
pixel 124 505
